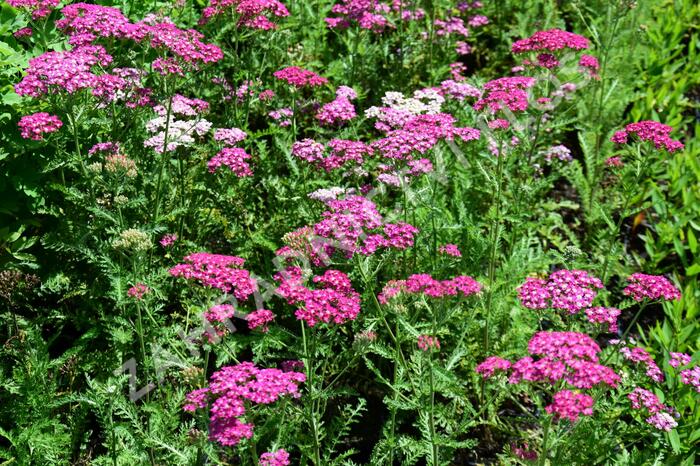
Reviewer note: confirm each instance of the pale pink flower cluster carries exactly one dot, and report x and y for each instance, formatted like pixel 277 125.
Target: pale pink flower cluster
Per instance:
pixel 354 225
pixel 36 125
pixel 639 355
pixel 217 271
pixel 425 284
pixel 679 359
pixel 642 286
pixel 282 115
pixel 570 290
pixel 652 131
pixel 341 153
pixel 229 136
pixel 661 415
pixel 169 132
pixel 231 392
pixel 333 301
pixel 451 26
pixel 691 377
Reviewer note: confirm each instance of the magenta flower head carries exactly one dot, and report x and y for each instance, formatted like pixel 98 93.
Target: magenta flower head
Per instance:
pixel 570 290
pixel 653 287
pixel 217 271
pixel 260 319
pixel 233 390
pixel 38 8
pixel 234 158
pixel 274 458
pixel 508 92
pixel 652 131
pixel 299 77
pixel 570 405
pixel 552 40
pixel 34 126
pixel 492 364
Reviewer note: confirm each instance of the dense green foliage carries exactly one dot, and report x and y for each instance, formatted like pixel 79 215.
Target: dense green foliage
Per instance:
pixel 93 373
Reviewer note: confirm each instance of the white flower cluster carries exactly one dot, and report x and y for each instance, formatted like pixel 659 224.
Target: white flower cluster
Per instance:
pixel 179 132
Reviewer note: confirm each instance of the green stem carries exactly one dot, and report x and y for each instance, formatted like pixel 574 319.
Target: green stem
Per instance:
pixel 308 364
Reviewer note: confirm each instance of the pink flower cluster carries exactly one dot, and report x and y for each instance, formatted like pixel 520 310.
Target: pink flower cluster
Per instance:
pixel 492 364
pixel 570 405
pixel 234 158
pixel 68 71
pixel 640 355
pixel 691 377
pixel 233 389
pixel 568 356
pixel 451 26
pixel 661 415
pixel 260 318
pixel 425 284
pixel 419 134
pixel 354 225
pixel 38 8
pixel 217 271
pixel 450 250
pixel 604 315
pixel 458 90
pixel 551 40
pixel 168 240
pixel 254 14
pixel 299 77
pixel 85 22
pixel 342 152
pixel 679 359
pixel 570 290
pixel 508 92
pixel 339 110
pixel 274 458
pixel 334 301
pixel 138 291
pixel 427 343
pixel 36 125
pixel 647 130
pixel 370 14
pixel 642 286
pixel 590 64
